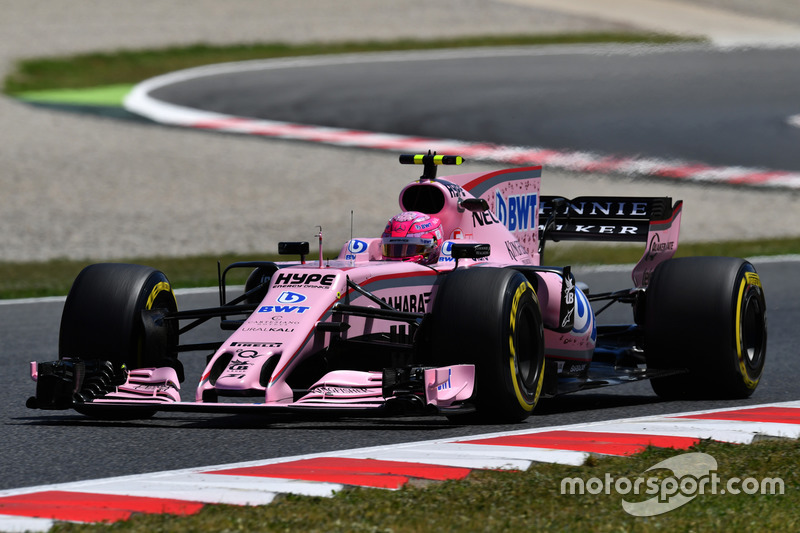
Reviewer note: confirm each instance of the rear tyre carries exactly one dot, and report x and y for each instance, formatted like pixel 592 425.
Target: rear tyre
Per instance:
pixel 114 313
pixel 490 317
pixel 707 315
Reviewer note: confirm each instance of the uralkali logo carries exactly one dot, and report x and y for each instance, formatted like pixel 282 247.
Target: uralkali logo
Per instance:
pixel 692 474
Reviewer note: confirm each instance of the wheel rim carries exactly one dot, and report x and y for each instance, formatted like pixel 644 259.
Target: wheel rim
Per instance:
pixel 527 351
pixel 753 332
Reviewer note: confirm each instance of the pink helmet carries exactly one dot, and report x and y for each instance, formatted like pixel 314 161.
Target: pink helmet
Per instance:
pixel 412 236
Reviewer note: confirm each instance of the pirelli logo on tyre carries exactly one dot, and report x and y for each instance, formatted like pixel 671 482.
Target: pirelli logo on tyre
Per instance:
pixel 752 279
pixel 161 286
pixel 515 378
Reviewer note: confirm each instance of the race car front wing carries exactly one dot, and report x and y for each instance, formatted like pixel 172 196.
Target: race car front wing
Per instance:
pixel 96 387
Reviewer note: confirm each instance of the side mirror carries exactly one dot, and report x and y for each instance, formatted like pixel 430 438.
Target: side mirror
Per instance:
pixel 293 248
pixel 470 251
pixel 474 204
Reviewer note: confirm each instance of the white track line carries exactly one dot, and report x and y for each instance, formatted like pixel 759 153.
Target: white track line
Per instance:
pixel 201 484
pixel 141 102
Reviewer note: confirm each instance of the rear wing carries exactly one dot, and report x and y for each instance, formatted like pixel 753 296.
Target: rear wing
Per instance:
pixel 652 220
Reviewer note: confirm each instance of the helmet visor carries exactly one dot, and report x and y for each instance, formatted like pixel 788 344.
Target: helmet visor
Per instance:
pixel 403 247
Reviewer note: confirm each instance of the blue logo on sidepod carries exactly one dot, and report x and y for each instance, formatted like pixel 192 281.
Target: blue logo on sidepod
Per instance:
pixel 583 316
pixel 517 212
pixel 447 252
pixel 357 247
pixel 289 297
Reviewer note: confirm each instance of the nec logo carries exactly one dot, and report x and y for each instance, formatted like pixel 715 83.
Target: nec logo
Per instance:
pixel 518 212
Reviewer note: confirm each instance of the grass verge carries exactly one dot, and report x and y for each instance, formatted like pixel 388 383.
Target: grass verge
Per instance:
pixel 54 278
pixel 133 66
pixel 523 501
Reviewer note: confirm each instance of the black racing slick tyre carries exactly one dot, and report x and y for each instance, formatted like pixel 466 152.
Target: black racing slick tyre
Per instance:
pixel 490 317
pixel 114 313
pixel 706 315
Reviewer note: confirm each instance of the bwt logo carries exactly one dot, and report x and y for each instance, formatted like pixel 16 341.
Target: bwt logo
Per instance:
pixel 518 212
pixel 289 297
pixel 299 309
pixel 357 247
pixel 447 252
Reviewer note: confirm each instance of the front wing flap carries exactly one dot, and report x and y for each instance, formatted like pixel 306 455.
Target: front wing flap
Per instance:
pixel 96 388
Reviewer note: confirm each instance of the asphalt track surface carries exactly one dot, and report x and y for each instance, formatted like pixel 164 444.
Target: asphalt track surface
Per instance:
pixel 44 447
pixel 688 102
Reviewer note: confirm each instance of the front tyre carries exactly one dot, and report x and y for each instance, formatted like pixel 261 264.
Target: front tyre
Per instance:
pixel 490 317
pixel 114 313
pixel 708 315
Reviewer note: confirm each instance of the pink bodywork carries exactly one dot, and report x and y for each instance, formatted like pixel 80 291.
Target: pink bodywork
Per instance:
pixel 284 329
pixel 348 388
pixel 302 296
pixel 151 385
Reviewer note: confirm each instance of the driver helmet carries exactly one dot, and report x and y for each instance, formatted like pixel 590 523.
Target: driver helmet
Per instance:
pixel 412 236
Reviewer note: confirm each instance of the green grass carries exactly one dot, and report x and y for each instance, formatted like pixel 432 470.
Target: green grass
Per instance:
pixel 54 278
pixel 107 95
pixel 132 66
pixel 591 254
pixel 519 501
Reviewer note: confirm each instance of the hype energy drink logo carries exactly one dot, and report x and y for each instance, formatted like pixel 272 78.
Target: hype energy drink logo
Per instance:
pixel 516 212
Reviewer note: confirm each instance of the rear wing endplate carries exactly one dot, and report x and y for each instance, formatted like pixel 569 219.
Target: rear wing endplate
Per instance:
pixel 652 220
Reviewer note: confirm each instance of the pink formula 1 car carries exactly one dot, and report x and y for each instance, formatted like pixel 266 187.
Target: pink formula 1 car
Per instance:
pixel 449 312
